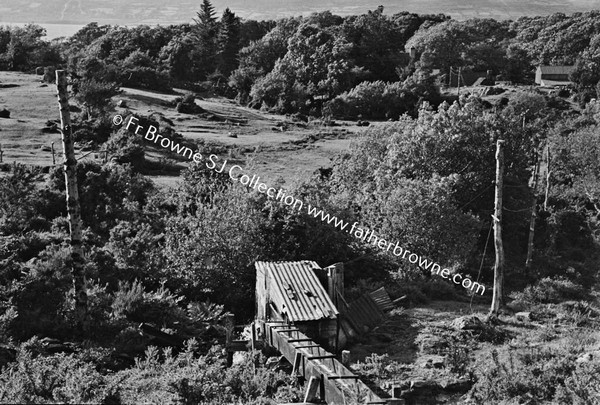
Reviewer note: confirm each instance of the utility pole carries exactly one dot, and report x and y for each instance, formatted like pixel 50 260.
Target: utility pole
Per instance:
pixel 52 149
pixel 536 170
pixel 73 208
pixel 1 153
pixel 458 85
pixel 497 217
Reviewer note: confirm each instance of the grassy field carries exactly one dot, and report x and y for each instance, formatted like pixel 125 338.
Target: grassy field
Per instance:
pixel 260 142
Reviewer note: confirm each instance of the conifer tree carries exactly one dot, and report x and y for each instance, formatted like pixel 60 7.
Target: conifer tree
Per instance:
pixel 228 41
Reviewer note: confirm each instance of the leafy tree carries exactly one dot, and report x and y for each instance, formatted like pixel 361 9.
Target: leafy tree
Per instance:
pixel 378 44
pixel 587 67
pixel 24 41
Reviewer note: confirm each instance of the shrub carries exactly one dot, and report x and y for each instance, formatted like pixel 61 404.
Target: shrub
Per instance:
pixel 551 290
pixel 549 375
pixel 50 379
pixel 159 307
pixel 95 95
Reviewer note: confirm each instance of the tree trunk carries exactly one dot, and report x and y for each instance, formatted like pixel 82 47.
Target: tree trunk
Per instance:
pixel 73 208
pixel 547 176
pixel 497 217
pixel 536 170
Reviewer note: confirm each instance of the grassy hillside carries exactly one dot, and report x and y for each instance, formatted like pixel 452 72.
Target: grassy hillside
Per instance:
pixel 259 140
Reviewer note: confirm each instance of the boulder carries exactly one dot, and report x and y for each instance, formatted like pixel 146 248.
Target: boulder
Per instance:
pixel 431 361
pixel 461 384
pixel 523 316
pixel 469 322
pixel 4 113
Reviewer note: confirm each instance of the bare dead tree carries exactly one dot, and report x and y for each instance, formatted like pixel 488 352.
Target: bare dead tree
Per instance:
pixel 536 171
pixel 73 207
pixel 497 217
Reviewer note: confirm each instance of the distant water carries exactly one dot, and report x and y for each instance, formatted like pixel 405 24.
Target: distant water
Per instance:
pixel 54 30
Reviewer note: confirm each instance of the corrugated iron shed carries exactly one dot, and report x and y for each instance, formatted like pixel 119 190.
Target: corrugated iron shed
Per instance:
pixel 296 290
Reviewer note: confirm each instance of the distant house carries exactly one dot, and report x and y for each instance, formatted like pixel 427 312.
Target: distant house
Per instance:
pixel 550 76
pixel 469 78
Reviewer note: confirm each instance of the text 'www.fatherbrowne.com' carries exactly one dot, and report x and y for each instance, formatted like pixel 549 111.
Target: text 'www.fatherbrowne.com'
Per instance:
pixel 237 173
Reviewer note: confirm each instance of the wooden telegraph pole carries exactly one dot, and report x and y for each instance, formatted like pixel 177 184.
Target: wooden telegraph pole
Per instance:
pixel 73 208
pixel 536 171
pixel 497 217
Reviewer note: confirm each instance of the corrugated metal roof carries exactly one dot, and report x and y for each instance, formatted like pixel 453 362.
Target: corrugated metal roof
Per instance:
pixel 556 70
pixel 296 290
pixel 363 314
pixel 382 299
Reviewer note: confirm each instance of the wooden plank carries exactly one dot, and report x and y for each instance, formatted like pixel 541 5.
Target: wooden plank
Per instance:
pixel 343 377
pixel 325 356
pixel 299 340
pixel 311 391
pixel 306 346
pixel 288 330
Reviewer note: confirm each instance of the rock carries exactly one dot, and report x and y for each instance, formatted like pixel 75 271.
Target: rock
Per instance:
pixel 4 113
pixel 469 322
pixel 232 135
pixel 431 361
pixel 432 344
pixel 121 104
pixel 362 123
pixel 523 316
pixel 39 71
pixel 461 384
pixel 272 362
pixel 587 357
pixel 422 383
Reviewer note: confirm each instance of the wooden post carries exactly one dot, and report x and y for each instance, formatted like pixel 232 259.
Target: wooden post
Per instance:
pixel 536 170
pixel 458 85
pixel 335 282
pixel 1 153
pixel 547 176
pixel 72 193
pixel 229 326
pixel 311 391
pixel 497 217
pixel 53 158
pixel 346 357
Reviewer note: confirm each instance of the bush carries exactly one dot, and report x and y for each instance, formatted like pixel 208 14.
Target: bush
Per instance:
pixel 188 105
pixel 373 100
pixel 95 95
pixel 549 375
pixel 551 290
pixel 58 378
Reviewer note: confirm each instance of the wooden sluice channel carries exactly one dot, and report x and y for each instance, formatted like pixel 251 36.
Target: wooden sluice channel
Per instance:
pixel 337 384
